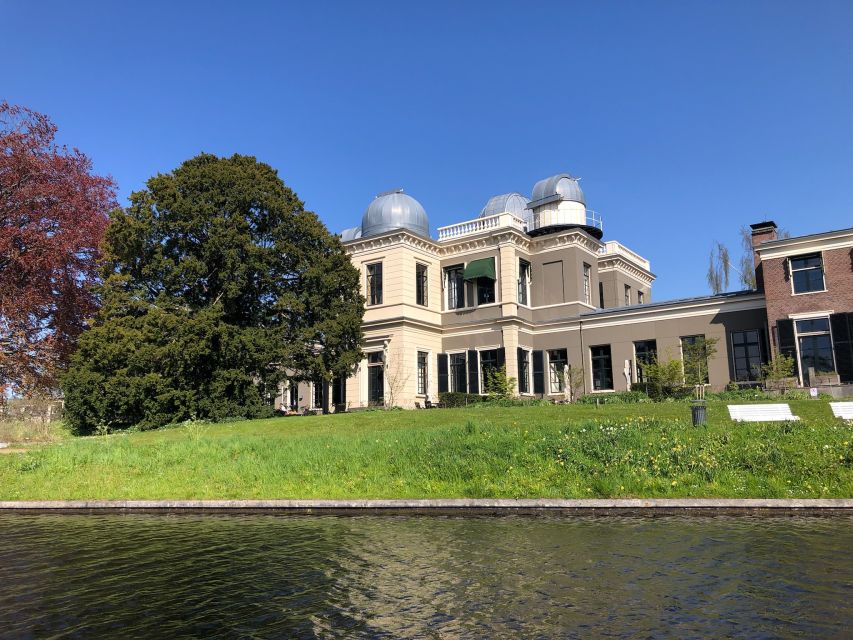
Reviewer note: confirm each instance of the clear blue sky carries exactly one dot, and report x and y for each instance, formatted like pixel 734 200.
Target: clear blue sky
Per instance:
pixel 685 120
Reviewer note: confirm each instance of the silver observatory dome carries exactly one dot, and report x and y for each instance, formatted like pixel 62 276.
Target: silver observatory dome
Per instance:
pixel 560 187
pixel 506 202
pixel 394 210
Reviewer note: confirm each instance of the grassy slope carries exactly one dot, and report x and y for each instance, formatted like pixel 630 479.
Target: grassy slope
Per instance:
pixel 549 451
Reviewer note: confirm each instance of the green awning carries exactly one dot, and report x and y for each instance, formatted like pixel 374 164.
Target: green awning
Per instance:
pixel 484 268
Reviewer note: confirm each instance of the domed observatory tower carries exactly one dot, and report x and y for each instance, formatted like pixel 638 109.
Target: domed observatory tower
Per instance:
pixel 557 204
pixel 513 203
pixel 394 210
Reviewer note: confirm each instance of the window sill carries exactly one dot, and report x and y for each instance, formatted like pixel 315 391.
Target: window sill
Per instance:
pixel 807 293
pixel 603 391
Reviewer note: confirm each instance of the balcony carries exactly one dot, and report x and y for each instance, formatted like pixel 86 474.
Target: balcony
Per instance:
pixel 611 247
pixel 480 225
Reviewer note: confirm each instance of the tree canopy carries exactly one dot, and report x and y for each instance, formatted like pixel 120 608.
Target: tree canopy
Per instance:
pixel 217 284
pixel 53 213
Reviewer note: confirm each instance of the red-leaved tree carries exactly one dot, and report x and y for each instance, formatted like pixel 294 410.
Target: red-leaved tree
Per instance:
pixel 53 214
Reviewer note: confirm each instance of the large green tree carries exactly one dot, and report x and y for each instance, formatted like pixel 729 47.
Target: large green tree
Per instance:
pixel 217 284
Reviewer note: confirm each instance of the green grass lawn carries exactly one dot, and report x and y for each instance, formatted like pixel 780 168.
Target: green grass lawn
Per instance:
pixel 639 450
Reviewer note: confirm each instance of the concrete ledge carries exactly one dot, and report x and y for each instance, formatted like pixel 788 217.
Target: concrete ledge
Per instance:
pixel 448 506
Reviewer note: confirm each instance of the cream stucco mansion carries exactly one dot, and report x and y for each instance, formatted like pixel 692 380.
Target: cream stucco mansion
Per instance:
pixel 532 286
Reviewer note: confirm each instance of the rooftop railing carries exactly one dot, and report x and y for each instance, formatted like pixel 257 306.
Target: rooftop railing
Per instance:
pixel 479 225
pixel 611 247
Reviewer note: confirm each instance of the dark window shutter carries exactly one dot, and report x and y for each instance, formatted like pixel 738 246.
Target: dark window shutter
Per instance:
pixel 787 340
pixel 842 344
pixel 501 358
pixel 473 377
pixel 442 372
pixel 538 372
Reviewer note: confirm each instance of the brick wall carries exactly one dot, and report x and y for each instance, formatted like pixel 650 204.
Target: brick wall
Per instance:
pixel 838 297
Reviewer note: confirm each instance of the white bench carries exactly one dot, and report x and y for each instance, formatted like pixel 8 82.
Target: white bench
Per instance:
pixel 843 410
pixel 761 413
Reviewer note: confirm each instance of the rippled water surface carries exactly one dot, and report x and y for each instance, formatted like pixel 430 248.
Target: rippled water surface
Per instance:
pixel 264 576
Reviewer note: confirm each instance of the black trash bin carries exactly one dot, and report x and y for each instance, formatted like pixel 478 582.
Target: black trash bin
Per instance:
pixel 698 410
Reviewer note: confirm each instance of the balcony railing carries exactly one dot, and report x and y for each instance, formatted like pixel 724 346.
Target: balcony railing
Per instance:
pixel 479 225
pixel 611 247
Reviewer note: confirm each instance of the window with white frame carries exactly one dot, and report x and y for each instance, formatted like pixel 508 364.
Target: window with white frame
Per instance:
pixel 523 282
pixel 807 273
pixel 422 372
pixel 488 367
pixel 641 297
pixel 627 295
pixel 421 288
pixel 455 286
pixel 458 379
pixel 523 371
pixel 602 368
pixel 587 291
pixel 557 360
pixel 374 283
pixel 815 344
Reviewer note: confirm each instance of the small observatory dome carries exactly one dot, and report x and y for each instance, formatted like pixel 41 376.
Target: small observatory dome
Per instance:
pixel 354 233
pixel 558 203
pixel 394 210
pixel 505 203
pixel 560 187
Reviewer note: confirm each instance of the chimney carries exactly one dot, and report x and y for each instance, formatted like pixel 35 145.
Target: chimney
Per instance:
pixel 761 232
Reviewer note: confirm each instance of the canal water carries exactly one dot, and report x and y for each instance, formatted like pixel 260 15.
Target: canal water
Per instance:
pixel 266 576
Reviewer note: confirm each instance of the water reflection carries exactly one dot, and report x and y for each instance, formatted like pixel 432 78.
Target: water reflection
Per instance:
pixel 319 577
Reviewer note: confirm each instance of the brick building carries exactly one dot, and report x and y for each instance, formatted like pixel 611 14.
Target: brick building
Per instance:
pixel 807 284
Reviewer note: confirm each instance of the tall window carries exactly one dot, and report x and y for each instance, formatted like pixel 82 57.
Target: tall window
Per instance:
pixel 318 394
pixel 641 297
pixel 694 356
pixel 807 273
pixel 422 373
pixel 587 292
pixel 602 368
pixel 488 366
pixel 485 290
pixel 455 285
pixel 645 352
pixel 747 355
pixel 601 294
pixel 374 283
pixel 523 282
pixel 815 346
pixel 457 373
pixel 557 359
pixel 421 284
pixel 627 295
pixel 523 371
pixel 375 379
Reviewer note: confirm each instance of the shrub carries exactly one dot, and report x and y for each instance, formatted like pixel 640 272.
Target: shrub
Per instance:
pixel 620 397
pixel 497 384
pixel 458 399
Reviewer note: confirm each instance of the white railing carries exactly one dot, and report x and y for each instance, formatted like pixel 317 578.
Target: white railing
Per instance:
pixel 555 217
pixel 611 247
pixel 479 225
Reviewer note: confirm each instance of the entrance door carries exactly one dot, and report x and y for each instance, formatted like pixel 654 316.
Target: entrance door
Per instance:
pixel 293 396
pixel 816 353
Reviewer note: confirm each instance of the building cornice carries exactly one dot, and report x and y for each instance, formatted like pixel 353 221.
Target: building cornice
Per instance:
pixel 618 263
pixel 478 242
pixel 391 239
pixel 787 247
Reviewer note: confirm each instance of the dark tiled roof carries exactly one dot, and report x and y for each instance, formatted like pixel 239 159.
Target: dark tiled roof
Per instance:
pixel 730 295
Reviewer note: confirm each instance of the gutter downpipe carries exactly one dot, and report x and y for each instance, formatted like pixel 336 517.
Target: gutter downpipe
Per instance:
pixel 583 364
